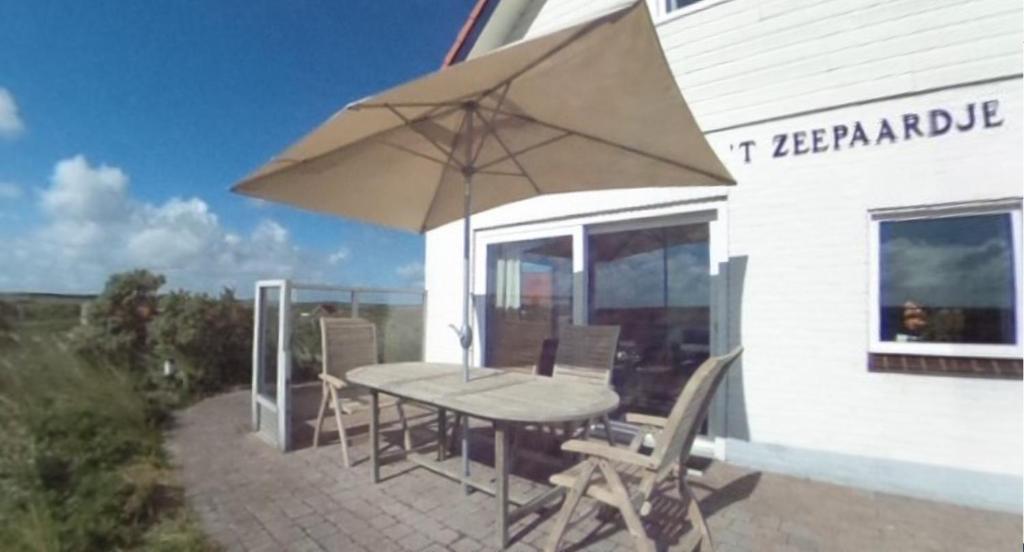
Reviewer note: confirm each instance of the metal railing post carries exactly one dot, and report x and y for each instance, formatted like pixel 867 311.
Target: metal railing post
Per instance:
pixel 355 304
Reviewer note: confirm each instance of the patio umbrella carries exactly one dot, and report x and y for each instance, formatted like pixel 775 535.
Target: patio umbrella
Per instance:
pixel 592 106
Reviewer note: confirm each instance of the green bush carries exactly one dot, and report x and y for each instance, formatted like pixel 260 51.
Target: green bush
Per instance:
pixel 209 340
pixel 117 330
pixel 82 466
pixel 81 412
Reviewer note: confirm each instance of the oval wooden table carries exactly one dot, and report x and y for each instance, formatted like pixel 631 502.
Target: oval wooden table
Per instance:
pixel 502 397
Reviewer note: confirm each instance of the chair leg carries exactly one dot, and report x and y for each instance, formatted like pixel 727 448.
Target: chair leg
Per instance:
pixel 406 436
pixel 607 429
pixel 693 510
pixel 633 522
pixel 456 428
pixel 572 499
pixel 342 436
pixel 320 415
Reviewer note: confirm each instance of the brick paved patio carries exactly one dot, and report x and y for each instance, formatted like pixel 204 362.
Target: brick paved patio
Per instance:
pixel 250 497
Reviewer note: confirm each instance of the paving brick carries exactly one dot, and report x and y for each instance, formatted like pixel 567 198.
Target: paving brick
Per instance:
pixel 250 497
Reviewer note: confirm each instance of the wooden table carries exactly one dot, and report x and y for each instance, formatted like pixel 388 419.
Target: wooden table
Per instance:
pixel 503 398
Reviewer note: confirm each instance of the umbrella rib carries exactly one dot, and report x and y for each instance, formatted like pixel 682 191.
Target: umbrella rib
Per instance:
pixel 440 179
pixel 526 149
pixel 502 173
pixel 622 147
pixel 489 123
pixel 439 147
pixel 388 105
pixel 291 163
pixel 411 151
pixel 514 159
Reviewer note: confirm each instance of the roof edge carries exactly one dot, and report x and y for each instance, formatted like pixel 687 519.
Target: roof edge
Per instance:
pixel 462 40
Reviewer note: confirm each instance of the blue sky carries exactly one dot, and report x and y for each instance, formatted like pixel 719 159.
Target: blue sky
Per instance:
pixel 123 124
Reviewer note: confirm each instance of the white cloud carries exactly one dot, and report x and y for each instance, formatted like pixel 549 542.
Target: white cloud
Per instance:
pixel 93 227
pixel 9 190
pixel 10 122
pixel 339 256
pixel 83 193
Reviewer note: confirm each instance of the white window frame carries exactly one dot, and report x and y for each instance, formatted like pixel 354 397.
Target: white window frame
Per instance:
pixel 876 345
pixel 661 14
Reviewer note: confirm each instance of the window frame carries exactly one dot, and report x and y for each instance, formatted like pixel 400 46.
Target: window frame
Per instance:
pixel 1011 207
pixel 661 13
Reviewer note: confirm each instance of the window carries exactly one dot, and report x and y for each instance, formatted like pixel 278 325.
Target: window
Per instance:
pixel 946 283
pixel 673 5
pixel 529 296
pixel 655 284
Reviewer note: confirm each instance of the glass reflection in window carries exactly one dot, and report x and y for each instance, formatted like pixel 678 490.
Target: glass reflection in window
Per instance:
pixel 947 280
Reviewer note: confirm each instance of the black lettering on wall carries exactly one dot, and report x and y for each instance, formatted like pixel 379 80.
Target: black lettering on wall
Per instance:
pixel 963 127
pixel 839 132
pixel 818 144
pixel 940 121
pixel 989 109
pixel 910 125
pixel 799 143
pixel 885 133
pixel 780 144
pixel 746 145
pixel 859 135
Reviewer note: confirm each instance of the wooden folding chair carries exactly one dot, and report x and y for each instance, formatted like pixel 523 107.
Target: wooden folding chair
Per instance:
pixel 600 475
pixel 348 343
pixel 584 354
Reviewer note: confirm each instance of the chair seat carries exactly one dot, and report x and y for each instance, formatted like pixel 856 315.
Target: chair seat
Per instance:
pixel 353 403
pixel 630 474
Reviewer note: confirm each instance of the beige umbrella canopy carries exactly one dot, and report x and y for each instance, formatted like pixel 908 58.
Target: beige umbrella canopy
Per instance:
pixel 588 107
pixel 593 106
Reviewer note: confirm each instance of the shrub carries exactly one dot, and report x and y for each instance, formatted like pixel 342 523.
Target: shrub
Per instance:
pixel 81 462
pixel 209 340
pixel 75 426
pixel 116 333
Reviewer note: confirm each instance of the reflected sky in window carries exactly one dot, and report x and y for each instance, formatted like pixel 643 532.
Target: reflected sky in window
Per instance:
pixel 951 262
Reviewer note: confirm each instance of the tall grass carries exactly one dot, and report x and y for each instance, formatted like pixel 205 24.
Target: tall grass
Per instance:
pixel 81 460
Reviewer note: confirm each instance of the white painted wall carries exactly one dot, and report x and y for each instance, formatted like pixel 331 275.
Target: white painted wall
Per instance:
pixel 753 67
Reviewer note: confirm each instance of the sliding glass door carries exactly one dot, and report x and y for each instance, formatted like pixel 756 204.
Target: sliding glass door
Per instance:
pixel 529 296
pixel 655 277
pixel 654 283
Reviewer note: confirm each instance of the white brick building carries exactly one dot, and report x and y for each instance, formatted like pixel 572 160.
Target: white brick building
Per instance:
pixel 840 120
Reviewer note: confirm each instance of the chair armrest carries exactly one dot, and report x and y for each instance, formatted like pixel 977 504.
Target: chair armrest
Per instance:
pixel 645 419
pixel 334 382
pixel 608 452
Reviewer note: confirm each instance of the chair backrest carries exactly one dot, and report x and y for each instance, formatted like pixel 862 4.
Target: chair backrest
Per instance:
pixel 586 353
pixel 347 343
pixel 676 439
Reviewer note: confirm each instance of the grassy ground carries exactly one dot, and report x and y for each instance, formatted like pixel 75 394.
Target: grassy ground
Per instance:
pixel 82 464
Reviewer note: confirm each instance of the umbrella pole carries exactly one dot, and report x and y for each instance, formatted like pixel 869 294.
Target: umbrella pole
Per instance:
pixel 466 337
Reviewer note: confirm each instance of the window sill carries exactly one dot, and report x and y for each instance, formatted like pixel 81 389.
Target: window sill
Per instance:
pixel 975 367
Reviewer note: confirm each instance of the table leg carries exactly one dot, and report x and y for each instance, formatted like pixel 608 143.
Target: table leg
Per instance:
pixel 374 436
pixel 442 433
pixel 501 483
